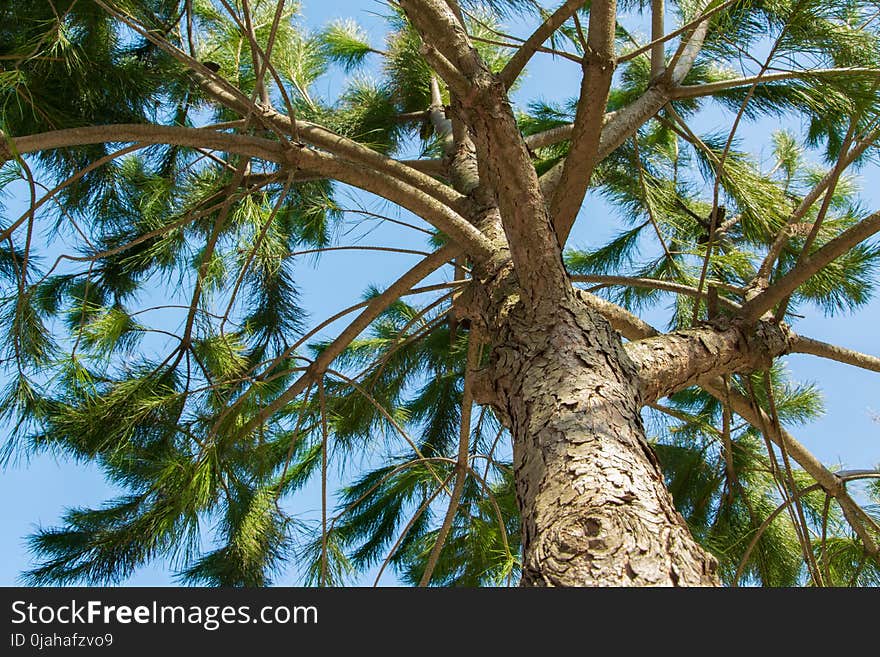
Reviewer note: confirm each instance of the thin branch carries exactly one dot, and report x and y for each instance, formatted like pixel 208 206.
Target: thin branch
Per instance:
pixel 232 98
pixel 762 276
pixel 843 475
pixel 521 57
pixel 385 413
pixel 822 213
pixel 681 30
pixel 804 345
pixel 422 508
pixel 641 171
pixel 322 402
pixel 709 88
pixel 740 569
pixel 831 482
pixel 799 520
pixel 811 264
pixel 655 284
pixel 461 466
pixel 374 308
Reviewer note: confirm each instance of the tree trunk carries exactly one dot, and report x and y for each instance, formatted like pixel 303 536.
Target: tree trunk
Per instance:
pixel 595 510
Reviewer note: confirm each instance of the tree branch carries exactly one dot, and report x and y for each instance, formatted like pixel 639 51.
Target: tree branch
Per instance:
pixel 832 484
pixel 231 97
pixel 628 120
pixel 633 328
pixel 677 360
pixel 754 308
pixel 804 345
pixel 658 55
pixel 577 168
pixel 762 277
pixel 301 158
pixel 375 308
pixel 441 29
pixel 527 50
pixel 461 464
pixel 654 284
pixel 697 90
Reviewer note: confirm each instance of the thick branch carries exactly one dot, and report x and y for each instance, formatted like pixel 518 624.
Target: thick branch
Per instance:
pixel 622 124
pixel 441 29
pixel 232 98
pixel 617 129
pixel 409 172
pixel 633 328
pixel 304 159
pixel 577 168
pixel 658 55
pixel 677 360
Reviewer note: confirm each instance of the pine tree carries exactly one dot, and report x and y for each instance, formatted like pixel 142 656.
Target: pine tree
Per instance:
pixel 517 422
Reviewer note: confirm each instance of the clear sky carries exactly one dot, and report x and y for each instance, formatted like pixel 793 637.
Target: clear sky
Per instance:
pixel 35 493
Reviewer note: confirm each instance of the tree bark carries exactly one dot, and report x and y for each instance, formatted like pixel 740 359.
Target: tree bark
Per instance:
pixel 595 510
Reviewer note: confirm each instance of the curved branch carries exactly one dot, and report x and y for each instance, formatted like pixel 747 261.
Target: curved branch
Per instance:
pixel 231 97
pixel 830 481
pixel 369 179
pixel 375 308
pixel 844 475
pixel 461 465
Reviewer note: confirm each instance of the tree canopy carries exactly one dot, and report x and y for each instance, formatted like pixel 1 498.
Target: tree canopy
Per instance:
pixel 181 162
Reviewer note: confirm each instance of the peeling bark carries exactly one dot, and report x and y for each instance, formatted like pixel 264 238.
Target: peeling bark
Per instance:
pixel 671 362
pixel 595 510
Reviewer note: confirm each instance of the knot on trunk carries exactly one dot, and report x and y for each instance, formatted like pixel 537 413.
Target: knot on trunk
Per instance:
pixel 613 545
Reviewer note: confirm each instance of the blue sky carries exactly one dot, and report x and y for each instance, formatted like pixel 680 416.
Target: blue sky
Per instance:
pixel 34 493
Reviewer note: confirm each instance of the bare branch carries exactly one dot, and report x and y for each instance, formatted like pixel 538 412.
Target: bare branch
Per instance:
pixel 300 158
pixel 375 308
pixel 658 55
pixel 680 359
pixel 521 57
pixel 804 345
pixel 709 88
pixel 577 168
pixel 654 284
pixel 787 284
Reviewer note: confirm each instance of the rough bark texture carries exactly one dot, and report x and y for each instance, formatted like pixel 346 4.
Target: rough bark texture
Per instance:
pixel 679 359
pixel 594 507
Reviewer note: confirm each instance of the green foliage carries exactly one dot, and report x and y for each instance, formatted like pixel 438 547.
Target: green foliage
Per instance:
pixel 177 314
